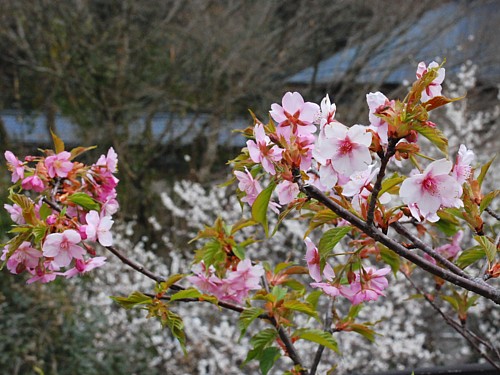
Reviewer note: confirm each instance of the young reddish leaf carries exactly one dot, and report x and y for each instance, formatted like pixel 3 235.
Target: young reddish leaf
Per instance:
pixel 58 143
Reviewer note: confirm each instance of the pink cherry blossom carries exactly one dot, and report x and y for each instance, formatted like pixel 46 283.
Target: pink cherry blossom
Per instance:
pixel 45 273
pixel 204 278
pixel 450 250
pixel 375 101
pixel 430 190
pixel 59 164
pixel 15 166
pixel 313 260
pixel 16 213
pixel 63 247
pixel 434 88
pixel 347 148
pixel 110 161
pixel 367 286
pixel 246 277
pixel 261 150
pixel 24 257
pixel 462 169
pixel 84 266
pixel 328 110
pixel 287 191
pixel 34 183
pixel 98 228
pixel 295 115
pixel 249 185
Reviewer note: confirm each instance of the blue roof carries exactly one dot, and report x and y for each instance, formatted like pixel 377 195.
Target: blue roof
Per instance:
pixel 459 32
pixel 32 130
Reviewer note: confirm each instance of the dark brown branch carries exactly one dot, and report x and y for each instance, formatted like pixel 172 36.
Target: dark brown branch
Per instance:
pixel 492 213
pixel 327 327
pixel 391 150
pixel 428 250
pixel 462 330
pixel 477 285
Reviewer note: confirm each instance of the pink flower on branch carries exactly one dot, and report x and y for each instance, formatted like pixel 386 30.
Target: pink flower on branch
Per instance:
pixel 347 148
pixel 261 150
pixel 426 192
pixel 63 247
pixel 15 166
pixel 98 228
pixel 84 266
pixel 367 286
pixel 462 169
pixel 34 183
pixel 294 115
pixel 59 164
pixel 434 88
pixel 449 250
pixel 24 257
pixel 247 184
pixel 287 191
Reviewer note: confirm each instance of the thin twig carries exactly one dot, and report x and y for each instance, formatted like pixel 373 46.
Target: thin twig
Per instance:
pixel 327 328
pixel 391 150
pixel 462 330
pixel 429 251
pixel 492 213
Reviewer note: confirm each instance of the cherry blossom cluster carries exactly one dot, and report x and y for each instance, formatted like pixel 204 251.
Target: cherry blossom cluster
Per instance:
pixel 341 161
pixel 60 207
pixel 236 284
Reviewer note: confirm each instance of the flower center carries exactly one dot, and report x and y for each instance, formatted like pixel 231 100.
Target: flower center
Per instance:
pixel 345 146
pixel 429 185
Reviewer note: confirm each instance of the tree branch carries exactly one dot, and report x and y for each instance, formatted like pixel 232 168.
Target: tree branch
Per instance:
pixel 492 213
pixel 428 250
pixel 462 330
pixel 327 328
pixel 391 150
pixel 477 285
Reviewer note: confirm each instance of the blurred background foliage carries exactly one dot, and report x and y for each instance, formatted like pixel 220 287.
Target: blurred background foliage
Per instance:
pixel 142 76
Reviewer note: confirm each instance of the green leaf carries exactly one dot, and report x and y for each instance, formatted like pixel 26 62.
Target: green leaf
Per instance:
pixel 313 298
pixel 187 293
pixel 243 223
pixel 320 218
pixel 211 253
pixel 389 183
pixel 133 300
pixel 239 251
pixel 85 201
pixel 267 359
pixel 58 143
pixel 484 170
pixel 246 318
pixel 176 325
pixel 279 292
pixel 27 206
pixel 390 257
pixel 487 199
pixel 319 337
pixel 259 207
pixel 172 280
pixel 470 256
pixel 489 248
pixel 39 232
pixel 331 238
pixel 452 301
pixel 302 307
pixel 434 135
pixel 45 211
pixel 364 331
pixel 263 338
